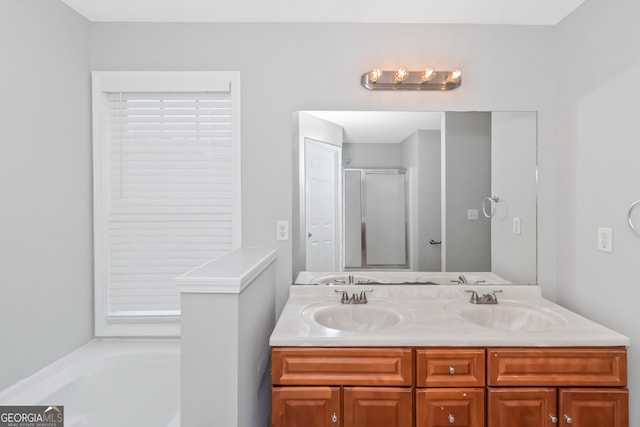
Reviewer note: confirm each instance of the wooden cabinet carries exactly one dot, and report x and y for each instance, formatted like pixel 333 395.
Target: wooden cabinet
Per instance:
pixel 450 387
pixel 377 407
pixel 342 366
pixel 450 367
pixel 543 406
pixel 373 386
pixel 594 407
pixel 573 366
pixel 305 406
pixel 461 407
pixel 522 407
pixel 321 407
pixel 603 404
pixel 440 386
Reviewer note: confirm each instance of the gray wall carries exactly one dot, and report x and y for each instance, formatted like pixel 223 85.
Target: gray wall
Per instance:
pixel 429 256
pixel 467 181
pixel 598 62
pixel 46 305
pixel 513 180
pixel 292 67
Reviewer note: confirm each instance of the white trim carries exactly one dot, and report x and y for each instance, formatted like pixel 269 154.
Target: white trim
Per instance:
pixel 229 274
pixel 143 81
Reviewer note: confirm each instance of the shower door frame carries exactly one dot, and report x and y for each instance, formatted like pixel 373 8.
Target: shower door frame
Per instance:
pixel 363 217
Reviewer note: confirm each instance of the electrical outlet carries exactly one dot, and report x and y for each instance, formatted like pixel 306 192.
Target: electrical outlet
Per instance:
pixel 605 239
pixel 516 225
pixel 282 230
pixel 472 214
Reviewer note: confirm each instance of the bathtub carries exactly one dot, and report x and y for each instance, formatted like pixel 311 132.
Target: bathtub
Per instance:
pixel 107 383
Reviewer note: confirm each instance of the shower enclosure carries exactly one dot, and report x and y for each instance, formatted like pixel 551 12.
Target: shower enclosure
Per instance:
pixel 375 219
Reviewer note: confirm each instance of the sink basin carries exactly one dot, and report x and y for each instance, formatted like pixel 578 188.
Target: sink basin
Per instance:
pixel 333 278
pixel 355 317
pixel 512 317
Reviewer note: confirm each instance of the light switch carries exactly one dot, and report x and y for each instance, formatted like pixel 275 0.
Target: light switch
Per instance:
pixel 472 214
pixel 605 239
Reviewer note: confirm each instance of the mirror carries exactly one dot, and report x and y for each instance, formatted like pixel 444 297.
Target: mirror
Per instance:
pixel 418 191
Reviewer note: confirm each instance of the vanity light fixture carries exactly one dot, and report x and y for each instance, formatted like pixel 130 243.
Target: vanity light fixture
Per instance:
pixel 400 75
pixel 402 79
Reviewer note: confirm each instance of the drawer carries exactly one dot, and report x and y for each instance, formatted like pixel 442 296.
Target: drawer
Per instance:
pixel 341 366
pixel 447 367
pixel 584 366
pixel 464 407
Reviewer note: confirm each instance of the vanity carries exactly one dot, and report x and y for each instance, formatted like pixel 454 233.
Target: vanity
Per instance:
pixel 424 356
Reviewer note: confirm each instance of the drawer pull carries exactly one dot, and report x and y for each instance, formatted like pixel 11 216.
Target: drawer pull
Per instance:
pixel 451 418
pixel 452 370
pixel 568 419
pixel 334 418
pixel 553 418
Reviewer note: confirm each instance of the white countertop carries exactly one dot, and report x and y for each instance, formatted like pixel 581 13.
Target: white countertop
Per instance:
pixel 432 318
pixel 400 276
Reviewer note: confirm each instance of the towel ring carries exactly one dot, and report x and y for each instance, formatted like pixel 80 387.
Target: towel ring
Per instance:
pixel 492 206
pixel 631 224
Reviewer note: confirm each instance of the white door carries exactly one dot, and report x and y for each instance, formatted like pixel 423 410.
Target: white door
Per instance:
pixel 321 184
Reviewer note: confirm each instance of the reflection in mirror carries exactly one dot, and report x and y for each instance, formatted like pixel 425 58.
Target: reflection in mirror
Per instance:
pixel 416 191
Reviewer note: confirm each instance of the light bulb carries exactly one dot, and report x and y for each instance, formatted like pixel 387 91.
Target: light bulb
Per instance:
pixel 375 74
pixel 401 74
pixel 454 76
pixel 428 74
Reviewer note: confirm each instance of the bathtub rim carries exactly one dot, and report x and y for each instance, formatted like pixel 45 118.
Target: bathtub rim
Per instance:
pixel 65 369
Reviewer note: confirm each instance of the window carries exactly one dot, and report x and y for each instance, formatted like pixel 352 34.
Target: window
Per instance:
pixel 166 190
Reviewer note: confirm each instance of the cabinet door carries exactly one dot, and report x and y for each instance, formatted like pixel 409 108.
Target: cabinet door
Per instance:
pixel 305 407
pixel 594 407
pixel 378 407
pixel 461 407
pixel 522 407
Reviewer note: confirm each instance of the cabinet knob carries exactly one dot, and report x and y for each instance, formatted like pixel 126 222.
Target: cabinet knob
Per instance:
pixel 568 419
pixel 452 370
pixel 334 418
pixel 553 418
pixel 451 418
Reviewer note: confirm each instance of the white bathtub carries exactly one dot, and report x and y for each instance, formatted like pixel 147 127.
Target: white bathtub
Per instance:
pixel 107 383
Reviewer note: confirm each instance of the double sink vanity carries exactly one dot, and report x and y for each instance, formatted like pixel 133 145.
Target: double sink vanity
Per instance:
pixel 431 351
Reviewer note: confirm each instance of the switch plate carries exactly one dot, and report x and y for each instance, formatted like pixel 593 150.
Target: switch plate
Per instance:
pixel 282 230
pixel 472 214
pixel 605 239
pixel 516 225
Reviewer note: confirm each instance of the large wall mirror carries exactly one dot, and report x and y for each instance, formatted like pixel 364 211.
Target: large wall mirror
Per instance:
pixel 418 191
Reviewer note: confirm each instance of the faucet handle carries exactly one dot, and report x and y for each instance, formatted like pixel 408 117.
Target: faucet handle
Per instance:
pixel 345 296
pixel 491 296
pixel 363 296
pixel 474 297
pixel 493 293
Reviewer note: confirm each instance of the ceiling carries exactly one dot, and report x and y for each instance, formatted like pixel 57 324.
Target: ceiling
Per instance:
pixel 379 126
pixel 506 12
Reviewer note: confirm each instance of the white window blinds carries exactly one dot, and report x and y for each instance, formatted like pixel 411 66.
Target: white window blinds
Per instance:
pixel 168 196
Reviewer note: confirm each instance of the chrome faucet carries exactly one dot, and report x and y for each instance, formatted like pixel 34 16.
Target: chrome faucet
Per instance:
pixel 461 280
pixel 489 298
pixel 355 297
